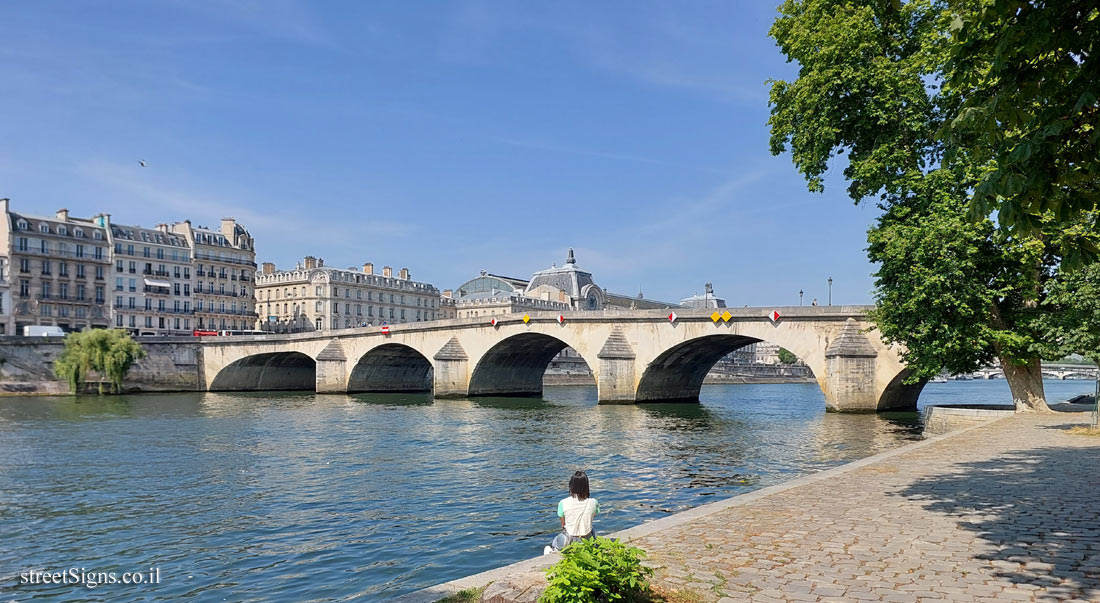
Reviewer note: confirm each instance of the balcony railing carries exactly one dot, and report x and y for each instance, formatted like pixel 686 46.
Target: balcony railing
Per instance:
pixel 209 258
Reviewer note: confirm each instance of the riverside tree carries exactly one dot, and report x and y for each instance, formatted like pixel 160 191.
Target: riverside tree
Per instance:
pixel 110 353
pixel 912 98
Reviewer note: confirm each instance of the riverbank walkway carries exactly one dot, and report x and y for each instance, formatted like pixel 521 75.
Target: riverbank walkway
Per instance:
pixel 1005 511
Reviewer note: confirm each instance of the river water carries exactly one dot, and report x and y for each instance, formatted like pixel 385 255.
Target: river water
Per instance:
pixel 304 497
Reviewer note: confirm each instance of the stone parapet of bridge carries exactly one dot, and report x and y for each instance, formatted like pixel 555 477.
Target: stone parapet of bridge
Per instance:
pixel 636 356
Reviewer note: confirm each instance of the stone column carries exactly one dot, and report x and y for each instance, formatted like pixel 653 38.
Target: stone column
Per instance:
pixel 615 381
pixel 332 371
pixel 850 372
pixel 451 371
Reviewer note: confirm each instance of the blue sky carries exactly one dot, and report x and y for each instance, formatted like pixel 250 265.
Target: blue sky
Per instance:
pixel 445 137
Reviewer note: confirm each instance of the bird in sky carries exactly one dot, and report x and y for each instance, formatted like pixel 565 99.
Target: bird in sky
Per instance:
pixel 141 162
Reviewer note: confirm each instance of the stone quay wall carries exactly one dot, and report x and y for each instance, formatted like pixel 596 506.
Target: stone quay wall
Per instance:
pixel 945 418
pixel 171 364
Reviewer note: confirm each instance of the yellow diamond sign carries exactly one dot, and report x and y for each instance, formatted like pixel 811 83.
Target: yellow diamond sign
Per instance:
pixel 526 319
pixel 726 316
pixel 715 316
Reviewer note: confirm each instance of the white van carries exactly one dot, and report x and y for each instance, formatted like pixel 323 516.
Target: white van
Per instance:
pixel 42 331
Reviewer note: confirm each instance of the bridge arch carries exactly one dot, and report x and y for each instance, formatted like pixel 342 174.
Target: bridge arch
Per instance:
pixel 391 367
pixel 676 375
pixel 515 365
pixel 273 371
pixel 900 395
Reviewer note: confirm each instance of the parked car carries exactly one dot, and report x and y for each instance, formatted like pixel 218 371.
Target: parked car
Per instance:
pixel 42 331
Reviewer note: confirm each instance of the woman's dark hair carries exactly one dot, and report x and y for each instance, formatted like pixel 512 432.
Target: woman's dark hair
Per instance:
pixel 578 485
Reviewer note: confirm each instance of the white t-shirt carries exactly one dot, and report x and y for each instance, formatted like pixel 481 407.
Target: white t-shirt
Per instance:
pixel 578 514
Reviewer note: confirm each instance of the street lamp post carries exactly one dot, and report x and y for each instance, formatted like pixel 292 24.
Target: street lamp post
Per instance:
pixel 800 293
pixel 830 290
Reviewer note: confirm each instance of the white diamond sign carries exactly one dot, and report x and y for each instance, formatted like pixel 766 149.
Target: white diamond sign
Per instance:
pixel 493 322
pixel 561 319
pixel 672 317
pixel 774 316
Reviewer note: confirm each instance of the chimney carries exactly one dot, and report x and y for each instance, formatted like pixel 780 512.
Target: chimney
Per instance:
pixel 404 274
pixel 63 215
pixel 448 293
pixel 311 262
pixel 229 225
pixel 163 228
pixel 269 268
pixel 387 271
pixel 368 268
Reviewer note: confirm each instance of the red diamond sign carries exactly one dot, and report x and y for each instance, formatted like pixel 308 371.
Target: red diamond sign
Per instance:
pixel 774 316
pixel 561 319
pixel 493 322
pixel 385 329
pixel 672 317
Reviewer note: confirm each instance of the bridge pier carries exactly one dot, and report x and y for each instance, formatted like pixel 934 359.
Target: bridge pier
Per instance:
pixel 615 380
pixel 452 371
pixel 850 372
pixel 332 370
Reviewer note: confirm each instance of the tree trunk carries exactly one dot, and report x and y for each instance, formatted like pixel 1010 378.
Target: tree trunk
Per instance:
pixel 1026 383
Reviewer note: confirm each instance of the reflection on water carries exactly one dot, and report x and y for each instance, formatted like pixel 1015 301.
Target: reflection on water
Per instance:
pixel 297 496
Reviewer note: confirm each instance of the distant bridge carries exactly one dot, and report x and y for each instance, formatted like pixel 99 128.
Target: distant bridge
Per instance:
pixel 640 356
pixel 1050 371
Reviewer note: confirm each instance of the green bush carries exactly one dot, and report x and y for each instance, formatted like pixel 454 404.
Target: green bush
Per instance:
pixel 597 570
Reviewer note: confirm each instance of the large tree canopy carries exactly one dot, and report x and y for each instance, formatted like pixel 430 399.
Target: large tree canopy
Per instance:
pixel 882 90
pixel 1029 78
pixel 109 352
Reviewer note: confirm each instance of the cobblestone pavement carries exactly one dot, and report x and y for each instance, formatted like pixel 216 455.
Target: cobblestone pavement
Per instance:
pixel 1006 512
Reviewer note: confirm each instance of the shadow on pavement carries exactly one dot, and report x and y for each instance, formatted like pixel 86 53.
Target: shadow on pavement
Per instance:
pixel 1040 508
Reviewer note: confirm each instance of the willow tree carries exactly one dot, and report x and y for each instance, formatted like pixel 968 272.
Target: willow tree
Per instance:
pixel 111 353
pixel 885 88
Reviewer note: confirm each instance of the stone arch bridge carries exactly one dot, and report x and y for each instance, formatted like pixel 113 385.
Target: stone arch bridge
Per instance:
pixel 636 356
